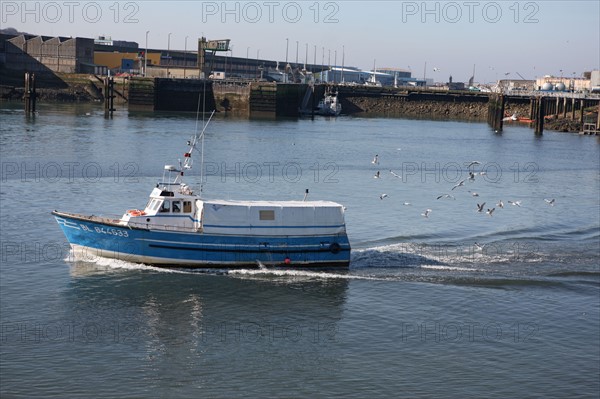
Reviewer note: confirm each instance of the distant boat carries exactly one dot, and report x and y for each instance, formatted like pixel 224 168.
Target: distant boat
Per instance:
pixel 329 105
pixel 180 229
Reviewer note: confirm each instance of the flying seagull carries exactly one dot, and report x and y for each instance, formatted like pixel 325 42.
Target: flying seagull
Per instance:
pixel 480 207
pixel 490 211
pixel 473 163
pixel 426 213
pixel 500 204
pixel 395 174
pixel 446 196
pixel 375 160
pixel 382 196
pixel 517 203
pixel 550 201
pixel 376 175
pixel 459 184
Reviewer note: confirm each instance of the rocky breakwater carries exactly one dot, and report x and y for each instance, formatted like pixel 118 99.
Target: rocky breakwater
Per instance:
pixel 416 103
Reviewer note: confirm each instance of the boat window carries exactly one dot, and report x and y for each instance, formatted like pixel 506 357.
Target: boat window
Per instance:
pixel 156 205
pixel 187 206
pixel 166 206
pixel 176 206
pixel 266 215
pixel 149 204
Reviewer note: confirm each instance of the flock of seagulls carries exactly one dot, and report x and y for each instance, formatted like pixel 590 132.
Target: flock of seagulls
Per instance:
pixel 472 176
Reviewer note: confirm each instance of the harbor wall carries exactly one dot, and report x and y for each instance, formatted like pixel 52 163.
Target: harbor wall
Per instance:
pixel 554 111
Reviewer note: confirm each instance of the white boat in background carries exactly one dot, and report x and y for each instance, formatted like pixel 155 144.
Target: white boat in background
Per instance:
pixel 329 105
pixel 179 228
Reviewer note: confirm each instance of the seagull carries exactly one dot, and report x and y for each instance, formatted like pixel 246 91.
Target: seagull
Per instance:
pixel 500 204
pixel 446 196
pixel 436 69
pixel 517 203
pixel 382 196
pixel 407 204
pixel 480 207
pixel 376 175
pixel 550 201
pixel 459 184
pixel 490 211
pixel 473 163
pixel 395 174
pixel 474 194
pixel 426 213
pixel 375 160
pixel 471 175
pixel 479 246
pixel 482 173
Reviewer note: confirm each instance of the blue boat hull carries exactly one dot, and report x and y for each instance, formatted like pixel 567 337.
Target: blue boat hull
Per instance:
pixel 93 236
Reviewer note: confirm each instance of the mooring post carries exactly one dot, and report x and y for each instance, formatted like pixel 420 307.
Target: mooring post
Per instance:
pixel 495 114
pixel 532 108
pixel 30 94
pixel 500 113
pixel 539 117
pixel 109 96
pixel 581 109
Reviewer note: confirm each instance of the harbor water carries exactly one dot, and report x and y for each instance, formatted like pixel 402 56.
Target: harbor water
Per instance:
pixel 459 303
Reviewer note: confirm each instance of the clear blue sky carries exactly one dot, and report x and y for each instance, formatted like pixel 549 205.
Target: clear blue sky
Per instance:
pixel 533 38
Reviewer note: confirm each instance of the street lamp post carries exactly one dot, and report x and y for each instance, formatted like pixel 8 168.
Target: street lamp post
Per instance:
pixel 146 54
pixel 247 55
pixel 343 55
pixel 285 72
pixel 257 55
pixel 185 57
pixel 168 53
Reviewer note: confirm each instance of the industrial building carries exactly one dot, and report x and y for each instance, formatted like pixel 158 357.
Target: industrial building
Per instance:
pixel 382 76
pixel 46 54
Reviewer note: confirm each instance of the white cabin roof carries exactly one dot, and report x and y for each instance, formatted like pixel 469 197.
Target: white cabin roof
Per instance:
pixel 274 204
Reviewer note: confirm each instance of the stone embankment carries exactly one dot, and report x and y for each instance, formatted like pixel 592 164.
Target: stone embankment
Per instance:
pixel 440 109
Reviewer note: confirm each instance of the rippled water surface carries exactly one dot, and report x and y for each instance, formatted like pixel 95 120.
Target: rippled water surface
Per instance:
pixel 456 304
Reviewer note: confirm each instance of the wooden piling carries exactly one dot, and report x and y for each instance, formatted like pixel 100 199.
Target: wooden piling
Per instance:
pixel 109 96
pixel 30 94
pixel 538 126
pixel 495 114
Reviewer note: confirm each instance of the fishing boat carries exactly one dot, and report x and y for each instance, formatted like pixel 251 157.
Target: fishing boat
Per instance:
pixel 329 105
pixel 178 228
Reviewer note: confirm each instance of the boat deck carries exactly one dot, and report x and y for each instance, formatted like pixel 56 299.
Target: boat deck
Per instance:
pixel 112 220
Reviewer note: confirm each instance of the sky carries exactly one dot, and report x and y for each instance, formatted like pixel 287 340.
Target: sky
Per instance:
pixel 437 39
